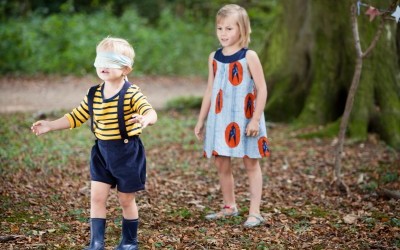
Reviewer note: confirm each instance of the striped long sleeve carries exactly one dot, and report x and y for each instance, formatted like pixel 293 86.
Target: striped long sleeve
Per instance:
pixel 106 116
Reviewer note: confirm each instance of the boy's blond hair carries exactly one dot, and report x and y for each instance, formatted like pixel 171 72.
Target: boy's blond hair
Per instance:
pixel 242 19
pixel 116 45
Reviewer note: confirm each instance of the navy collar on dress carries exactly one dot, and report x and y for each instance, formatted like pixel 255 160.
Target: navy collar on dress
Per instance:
pixel 240 54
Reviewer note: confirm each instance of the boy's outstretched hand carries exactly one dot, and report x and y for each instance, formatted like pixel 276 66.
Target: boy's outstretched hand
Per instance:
pixel 41 127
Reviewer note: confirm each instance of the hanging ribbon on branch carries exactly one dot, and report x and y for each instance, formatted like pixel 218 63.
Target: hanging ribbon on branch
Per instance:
pixel 396 14
pixel 373 12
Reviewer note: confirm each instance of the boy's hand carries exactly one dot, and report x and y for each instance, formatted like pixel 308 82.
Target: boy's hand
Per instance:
pixel 252 128
pixel 148 119
pixel 41 127
pixel 139 119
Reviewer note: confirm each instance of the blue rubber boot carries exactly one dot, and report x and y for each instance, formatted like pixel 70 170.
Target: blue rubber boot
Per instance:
pixel 97 230
pixel 129 235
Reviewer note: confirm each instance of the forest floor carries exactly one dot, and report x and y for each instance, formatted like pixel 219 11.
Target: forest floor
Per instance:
pixel 44 208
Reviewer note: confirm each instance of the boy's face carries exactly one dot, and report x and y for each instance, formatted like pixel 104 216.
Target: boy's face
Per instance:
pixel 110 66
pixel 111 74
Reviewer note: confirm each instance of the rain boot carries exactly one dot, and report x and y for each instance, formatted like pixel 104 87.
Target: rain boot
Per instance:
pixel 97 229
pixel 129 235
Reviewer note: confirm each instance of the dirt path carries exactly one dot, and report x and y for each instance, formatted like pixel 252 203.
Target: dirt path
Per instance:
pixel 53 93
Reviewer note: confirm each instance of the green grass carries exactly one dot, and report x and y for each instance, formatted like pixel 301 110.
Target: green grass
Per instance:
pixel 171 129
pixel 20 148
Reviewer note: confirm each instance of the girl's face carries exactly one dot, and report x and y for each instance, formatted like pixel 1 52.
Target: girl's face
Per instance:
pixel 228 32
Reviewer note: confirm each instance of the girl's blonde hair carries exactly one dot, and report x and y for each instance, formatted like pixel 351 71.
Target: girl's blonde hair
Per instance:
pixel 116 45
pixel 242 19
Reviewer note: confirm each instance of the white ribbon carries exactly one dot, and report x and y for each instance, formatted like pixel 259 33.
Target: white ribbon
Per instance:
pixel 112 60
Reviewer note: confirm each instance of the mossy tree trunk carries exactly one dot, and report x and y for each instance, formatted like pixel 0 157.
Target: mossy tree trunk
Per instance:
pixel 309 60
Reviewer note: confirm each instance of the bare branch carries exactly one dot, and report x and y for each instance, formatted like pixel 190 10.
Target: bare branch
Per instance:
pixel 375 39
pixel 356 35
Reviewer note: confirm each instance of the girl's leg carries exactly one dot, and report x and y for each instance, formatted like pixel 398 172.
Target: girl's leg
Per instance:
pixel 98 199
pixel 226 180
pixel 255 182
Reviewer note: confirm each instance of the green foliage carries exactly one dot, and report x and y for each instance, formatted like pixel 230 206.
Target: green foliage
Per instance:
pixel 183 213
pixel 329 131
pixel 60 38
pixel 389 177
pixel 370 186
pixel 65 44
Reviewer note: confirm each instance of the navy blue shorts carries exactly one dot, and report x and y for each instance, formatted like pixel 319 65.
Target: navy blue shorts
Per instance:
pixel 122 165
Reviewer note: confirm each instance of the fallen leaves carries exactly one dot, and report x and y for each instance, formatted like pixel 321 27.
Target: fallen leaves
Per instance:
pixel 50 208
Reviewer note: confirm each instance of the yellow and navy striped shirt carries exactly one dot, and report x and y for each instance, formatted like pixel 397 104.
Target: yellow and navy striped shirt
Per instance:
pixel 105 122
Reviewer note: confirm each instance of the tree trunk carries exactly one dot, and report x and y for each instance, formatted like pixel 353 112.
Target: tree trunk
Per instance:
pixel 310 80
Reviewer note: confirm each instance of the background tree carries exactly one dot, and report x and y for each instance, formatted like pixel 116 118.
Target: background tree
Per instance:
pixel 310 57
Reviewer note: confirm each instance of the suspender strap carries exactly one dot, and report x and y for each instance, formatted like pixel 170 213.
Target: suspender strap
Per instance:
pixel 121 116
pixel 90 98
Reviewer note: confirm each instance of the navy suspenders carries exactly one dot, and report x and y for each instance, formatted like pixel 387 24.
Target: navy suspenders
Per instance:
pixel 121 116
pixel 120 109
pixel 90 98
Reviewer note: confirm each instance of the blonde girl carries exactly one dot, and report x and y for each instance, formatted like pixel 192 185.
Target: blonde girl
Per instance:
pixel 233 105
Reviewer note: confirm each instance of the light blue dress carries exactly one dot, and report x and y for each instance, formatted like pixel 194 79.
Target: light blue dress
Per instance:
pixel 232 105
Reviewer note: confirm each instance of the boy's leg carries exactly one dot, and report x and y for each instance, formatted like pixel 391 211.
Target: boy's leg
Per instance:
pixel 99 193
pixel 130 221
pixel 97 230
pixel 255 183
pixel 98 199
pixel 128 205
pixel 226 180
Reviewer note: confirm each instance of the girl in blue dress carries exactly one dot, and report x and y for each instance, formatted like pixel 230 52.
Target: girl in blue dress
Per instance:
pixel 233 105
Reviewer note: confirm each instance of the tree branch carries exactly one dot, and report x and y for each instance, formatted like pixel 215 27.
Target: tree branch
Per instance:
pixel 375 39
pixel 389 194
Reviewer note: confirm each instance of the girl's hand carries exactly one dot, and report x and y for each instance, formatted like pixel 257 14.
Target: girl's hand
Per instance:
pixel 252 128
pixel 41 127
pixel 199 131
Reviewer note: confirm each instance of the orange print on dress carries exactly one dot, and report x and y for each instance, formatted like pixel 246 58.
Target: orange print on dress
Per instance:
pixel 214 64
pixel 232 134
pixel 249 105
pixel 219 102
pixel 263 146
pixel 235 73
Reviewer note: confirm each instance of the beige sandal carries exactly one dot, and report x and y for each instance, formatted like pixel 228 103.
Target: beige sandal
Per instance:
pixel 259 220
pixel 223 213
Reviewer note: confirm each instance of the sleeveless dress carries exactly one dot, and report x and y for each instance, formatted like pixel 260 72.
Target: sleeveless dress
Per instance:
pixel 232 105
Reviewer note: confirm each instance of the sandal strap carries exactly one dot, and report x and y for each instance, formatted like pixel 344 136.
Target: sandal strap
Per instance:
pixel 233 207
pixel 223 213
pixel 257 216
pixel 230 207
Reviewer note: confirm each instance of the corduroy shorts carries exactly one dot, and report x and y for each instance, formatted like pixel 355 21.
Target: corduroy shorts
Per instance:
pixel 120 164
